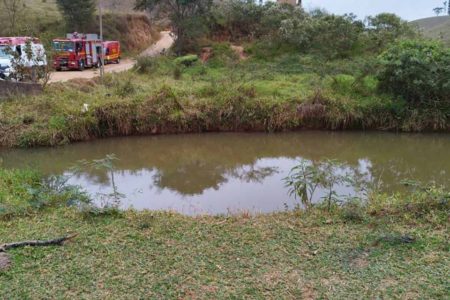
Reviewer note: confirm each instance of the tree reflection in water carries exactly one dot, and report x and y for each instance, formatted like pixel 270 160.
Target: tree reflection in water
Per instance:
pixel 192 165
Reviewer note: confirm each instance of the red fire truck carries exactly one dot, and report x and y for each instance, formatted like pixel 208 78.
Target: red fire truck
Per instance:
pixel 77 52
pixel 112 52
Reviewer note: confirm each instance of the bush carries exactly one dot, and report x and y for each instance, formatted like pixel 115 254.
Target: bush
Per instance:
pixel 187 60
pixel 222 55
pixel 337 36
pixel 146 64
pixel 418 71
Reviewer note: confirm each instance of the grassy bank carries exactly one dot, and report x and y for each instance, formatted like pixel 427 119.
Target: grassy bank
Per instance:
pixel 394 247
pixel 286 255
pixel 285 93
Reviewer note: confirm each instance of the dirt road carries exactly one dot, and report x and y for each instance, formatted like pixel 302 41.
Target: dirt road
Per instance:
pixel 165 42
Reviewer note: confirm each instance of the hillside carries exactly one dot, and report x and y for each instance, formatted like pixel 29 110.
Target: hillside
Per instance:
pixel 49 6
pixel 435 27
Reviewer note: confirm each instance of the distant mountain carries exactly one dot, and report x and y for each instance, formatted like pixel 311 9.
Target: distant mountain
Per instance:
pixel 435 27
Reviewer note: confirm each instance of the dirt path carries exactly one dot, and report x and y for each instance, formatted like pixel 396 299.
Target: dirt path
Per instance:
pixel 165 42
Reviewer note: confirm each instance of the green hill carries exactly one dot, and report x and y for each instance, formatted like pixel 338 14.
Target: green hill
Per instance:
pixel 435 27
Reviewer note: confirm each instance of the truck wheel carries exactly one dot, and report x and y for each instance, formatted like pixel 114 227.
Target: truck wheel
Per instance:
pixel 81 65
pixel 118 61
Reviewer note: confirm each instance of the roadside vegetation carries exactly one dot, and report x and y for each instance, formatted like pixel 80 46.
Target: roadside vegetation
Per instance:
pixel 393 246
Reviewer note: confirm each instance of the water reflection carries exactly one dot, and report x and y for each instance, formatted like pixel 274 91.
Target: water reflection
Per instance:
pixel 213 173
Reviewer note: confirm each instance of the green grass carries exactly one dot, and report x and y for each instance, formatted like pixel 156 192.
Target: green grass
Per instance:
pixel 286 255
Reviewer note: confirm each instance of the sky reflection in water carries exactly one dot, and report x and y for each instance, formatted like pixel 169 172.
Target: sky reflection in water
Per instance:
pixel 222 173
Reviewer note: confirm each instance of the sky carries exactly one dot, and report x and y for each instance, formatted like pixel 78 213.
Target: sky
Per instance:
pixel 407 9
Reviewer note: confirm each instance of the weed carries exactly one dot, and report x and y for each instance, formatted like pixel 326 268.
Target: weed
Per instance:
pixel 126 88
pixel 110 201
pixel 353 210
pixel 25 191
pixel 306 178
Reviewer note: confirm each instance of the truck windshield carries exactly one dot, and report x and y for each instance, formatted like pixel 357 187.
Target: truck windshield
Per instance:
pixel 63 46
pixel 4 52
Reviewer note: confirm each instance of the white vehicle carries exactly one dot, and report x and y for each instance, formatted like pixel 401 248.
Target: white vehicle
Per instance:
pixel 20 51
pixel 5 63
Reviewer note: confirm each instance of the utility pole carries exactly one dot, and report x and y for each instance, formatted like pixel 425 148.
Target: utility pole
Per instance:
pixel 100 11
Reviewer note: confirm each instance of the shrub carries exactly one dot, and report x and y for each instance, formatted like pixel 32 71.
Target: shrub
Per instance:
pixel 222 55
pixel 337 36
pixel 146 64
pixel 187 60
pixel 418 71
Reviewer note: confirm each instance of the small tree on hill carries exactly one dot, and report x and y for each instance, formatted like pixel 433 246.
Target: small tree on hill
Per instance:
pixel 187 18
pixel 444 9
pixel 78 14
pixel 438 10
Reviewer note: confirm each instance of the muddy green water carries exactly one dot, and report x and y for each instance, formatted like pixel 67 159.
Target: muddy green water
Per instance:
pixel 228 173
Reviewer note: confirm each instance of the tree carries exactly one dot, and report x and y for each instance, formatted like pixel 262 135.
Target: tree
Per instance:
pixel 188 18
pixel 418 71
pixel 13 9
pixel 444 9
pixel 78 14
pixel 438 10
pixel 385 28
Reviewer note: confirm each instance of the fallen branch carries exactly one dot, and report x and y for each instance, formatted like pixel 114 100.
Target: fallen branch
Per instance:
pixel 58 242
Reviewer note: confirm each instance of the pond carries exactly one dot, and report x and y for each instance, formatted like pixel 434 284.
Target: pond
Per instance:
pixel 234 172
